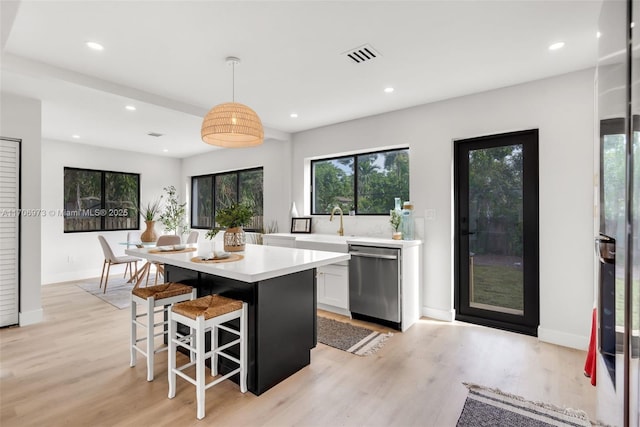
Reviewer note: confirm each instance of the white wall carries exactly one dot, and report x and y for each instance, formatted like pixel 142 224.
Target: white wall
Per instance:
pixel 275 159
pixel 21 118
pixel 73 256
pixel 562 109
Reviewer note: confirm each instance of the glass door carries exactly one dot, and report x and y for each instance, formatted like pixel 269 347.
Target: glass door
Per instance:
pixel 497 231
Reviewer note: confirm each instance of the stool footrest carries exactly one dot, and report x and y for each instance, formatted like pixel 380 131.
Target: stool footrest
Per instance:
pixel 228 329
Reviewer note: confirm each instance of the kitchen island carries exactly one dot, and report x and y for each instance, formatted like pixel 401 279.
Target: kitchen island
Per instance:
pixel 279 285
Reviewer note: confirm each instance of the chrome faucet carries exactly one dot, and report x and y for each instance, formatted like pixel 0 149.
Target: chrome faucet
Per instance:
pixel 341 229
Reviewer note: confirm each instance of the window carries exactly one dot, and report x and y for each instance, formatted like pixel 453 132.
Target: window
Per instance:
pixel 366 183
pixel 97 200
pixel 210 193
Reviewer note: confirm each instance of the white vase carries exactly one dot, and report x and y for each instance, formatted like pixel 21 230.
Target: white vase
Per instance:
pixel 294 211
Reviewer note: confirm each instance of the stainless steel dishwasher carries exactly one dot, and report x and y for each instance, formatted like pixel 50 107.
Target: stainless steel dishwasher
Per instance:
pixel 374 284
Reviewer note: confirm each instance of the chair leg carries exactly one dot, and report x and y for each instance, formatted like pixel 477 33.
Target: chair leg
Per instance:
pixel 136 270
pixel 243 348
pixel 172 356
pixel 107 278
pixel 102 274
pixel 200 350
pixel 214 346
pixel 150 337
pixel 134 332
pixel 126 267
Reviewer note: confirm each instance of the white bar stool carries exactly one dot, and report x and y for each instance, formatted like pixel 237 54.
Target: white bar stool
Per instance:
pixel 154 296
pixel 203 314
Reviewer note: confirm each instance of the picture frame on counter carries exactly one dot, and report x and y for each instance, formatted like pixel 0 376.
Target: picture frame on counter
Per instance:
pixel 301 225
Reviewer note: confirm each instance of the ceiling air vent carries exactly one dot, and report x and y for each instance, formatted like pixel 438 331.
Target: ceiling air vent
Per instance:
pixel 156 134
pixel 364 53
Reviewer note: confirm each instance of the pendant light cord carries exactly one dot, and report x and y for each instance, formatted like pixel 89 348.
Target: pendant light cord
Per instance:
pixel 233 81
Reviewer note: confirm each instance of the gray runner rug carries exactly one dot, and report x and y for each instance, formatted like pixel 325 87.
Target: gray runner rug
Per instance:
pixel 350 338
pixel 492 407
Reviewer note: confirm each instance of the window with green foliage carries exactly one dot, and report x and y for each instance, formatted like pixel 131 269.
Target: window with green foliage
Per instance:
pixel 210 193
pixel 96 200
pixel 365 183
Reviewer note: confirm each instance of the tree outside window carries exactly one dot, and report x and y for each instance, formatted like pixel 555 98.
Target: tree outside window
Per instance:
pixel 210 193
pixel 366 183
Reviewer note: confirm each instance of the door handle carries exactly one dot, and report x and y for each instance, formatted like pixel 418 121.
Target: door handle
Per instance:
pixel 467 233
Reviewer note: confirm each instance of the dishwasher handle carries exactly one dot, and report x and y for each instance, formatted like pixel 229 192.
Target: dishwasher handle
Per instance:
pixel 367 255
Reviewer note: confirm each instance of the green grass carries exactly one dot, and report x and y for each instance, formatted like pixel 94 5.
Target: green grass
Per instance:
pixel 498 285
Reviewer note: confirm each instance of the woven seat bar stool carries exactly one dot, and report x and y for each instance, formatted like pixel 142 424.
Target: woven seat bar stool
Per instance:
pixel 154 296
pixel 203 314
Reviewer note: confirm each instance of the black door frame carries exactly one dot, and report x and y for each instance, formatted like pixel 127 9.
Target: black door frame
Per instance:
pixel 529 322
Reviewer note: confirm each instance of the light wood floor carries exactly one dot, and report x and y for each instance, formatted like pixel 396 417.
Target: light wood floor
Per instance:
pixel 73 370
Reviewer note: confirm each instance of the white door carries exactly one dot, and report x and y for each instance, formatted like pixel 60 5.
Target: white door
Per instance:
pixel 9 230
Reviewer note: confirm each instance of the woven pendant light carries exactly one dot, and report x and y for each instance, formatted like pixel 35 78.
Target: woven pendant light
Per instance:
pixel 232 125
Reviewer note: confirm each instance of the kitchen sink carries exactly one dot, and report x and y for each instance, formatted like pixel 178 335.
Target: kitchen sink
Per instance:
pixel 323 242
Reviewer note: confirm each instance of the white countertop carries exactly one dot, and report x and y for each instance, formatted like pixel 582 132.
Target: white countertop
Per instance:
pixel 259 263
pixel 347 240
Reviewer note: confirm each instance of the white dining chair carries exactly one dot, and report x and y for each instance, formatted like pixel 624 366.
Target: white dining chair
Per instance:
pixel 164 240
pixel 110 258
pixel 193 237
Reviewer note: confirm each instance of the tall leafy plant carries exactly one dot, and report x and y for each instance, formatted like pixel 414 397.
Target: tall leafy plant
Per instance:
pixel 173 217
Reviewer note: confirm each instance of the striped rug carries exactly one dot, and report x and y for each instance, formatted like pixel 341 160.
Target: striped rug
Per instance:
pixel 347 337
pixel 492 407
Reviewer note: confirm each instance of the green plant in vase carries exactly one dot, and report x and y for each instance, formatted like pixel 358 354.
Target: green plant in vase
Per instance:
pixel 395 219
pixel 150 213
pixel 233 218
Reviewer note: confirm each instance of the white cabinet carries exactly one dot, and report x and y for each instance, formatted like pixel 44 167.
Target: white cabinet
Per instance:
pixel 333 288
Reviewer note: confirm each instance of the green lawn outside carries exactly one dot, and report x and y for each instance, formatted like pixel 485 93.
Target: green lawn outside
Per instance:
pixel 498 285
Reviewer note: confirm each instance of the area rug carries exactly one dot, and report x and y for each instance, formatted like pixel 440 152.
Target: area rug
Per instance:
pixel 492 407
pixel 118 291
pixel 350 338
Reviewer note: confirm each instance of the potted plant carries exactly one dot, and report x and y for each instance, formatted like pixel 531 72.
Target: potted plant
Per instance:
pixel 395 219
pixel 174 213
pixel 150 214
pixel 233 218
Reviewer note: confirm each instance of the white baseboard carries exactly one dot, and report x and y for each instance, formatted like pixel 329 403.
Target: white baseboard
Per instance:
pixel 333 309
pixel 564 339
pixel 30 317
pixel 435 313
pixel 77 275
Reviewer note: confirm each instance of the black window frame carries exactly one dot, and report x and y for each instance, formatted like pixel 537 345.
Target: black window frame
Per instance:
pixel 353 156
pixel 213 176
pixel 103 202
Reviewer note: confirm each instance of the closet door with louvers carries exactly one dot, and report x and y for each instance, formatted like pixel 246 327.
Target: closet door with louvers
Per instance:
pixel 9 230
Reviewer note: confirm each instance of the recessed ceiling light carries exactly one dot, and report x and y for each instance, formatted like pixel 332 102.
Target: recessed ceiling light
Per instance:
pixel 556 46
pixel 165 150
pixel 388 90
pixel 293 115
pixel 75 136
pixel 130 108
pixel 94 46
pixel 598 34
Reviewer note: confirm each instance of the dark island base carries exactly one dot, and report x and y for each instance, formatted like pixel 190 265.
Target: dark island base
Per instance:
pixel 281 323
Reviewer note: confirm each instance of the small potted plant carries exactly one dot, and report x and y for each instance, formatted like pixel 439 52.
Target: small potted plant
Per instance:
pixel 395 219
pixel 233 218
pixel 150 214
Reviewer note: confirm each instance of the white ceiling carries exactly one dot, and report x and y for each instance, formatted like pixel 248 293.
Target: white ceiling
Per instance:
pixel 168 59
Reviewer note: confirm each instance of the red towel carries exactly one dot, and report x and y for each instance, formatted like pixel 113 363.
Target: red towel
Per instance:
pixel 590 363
